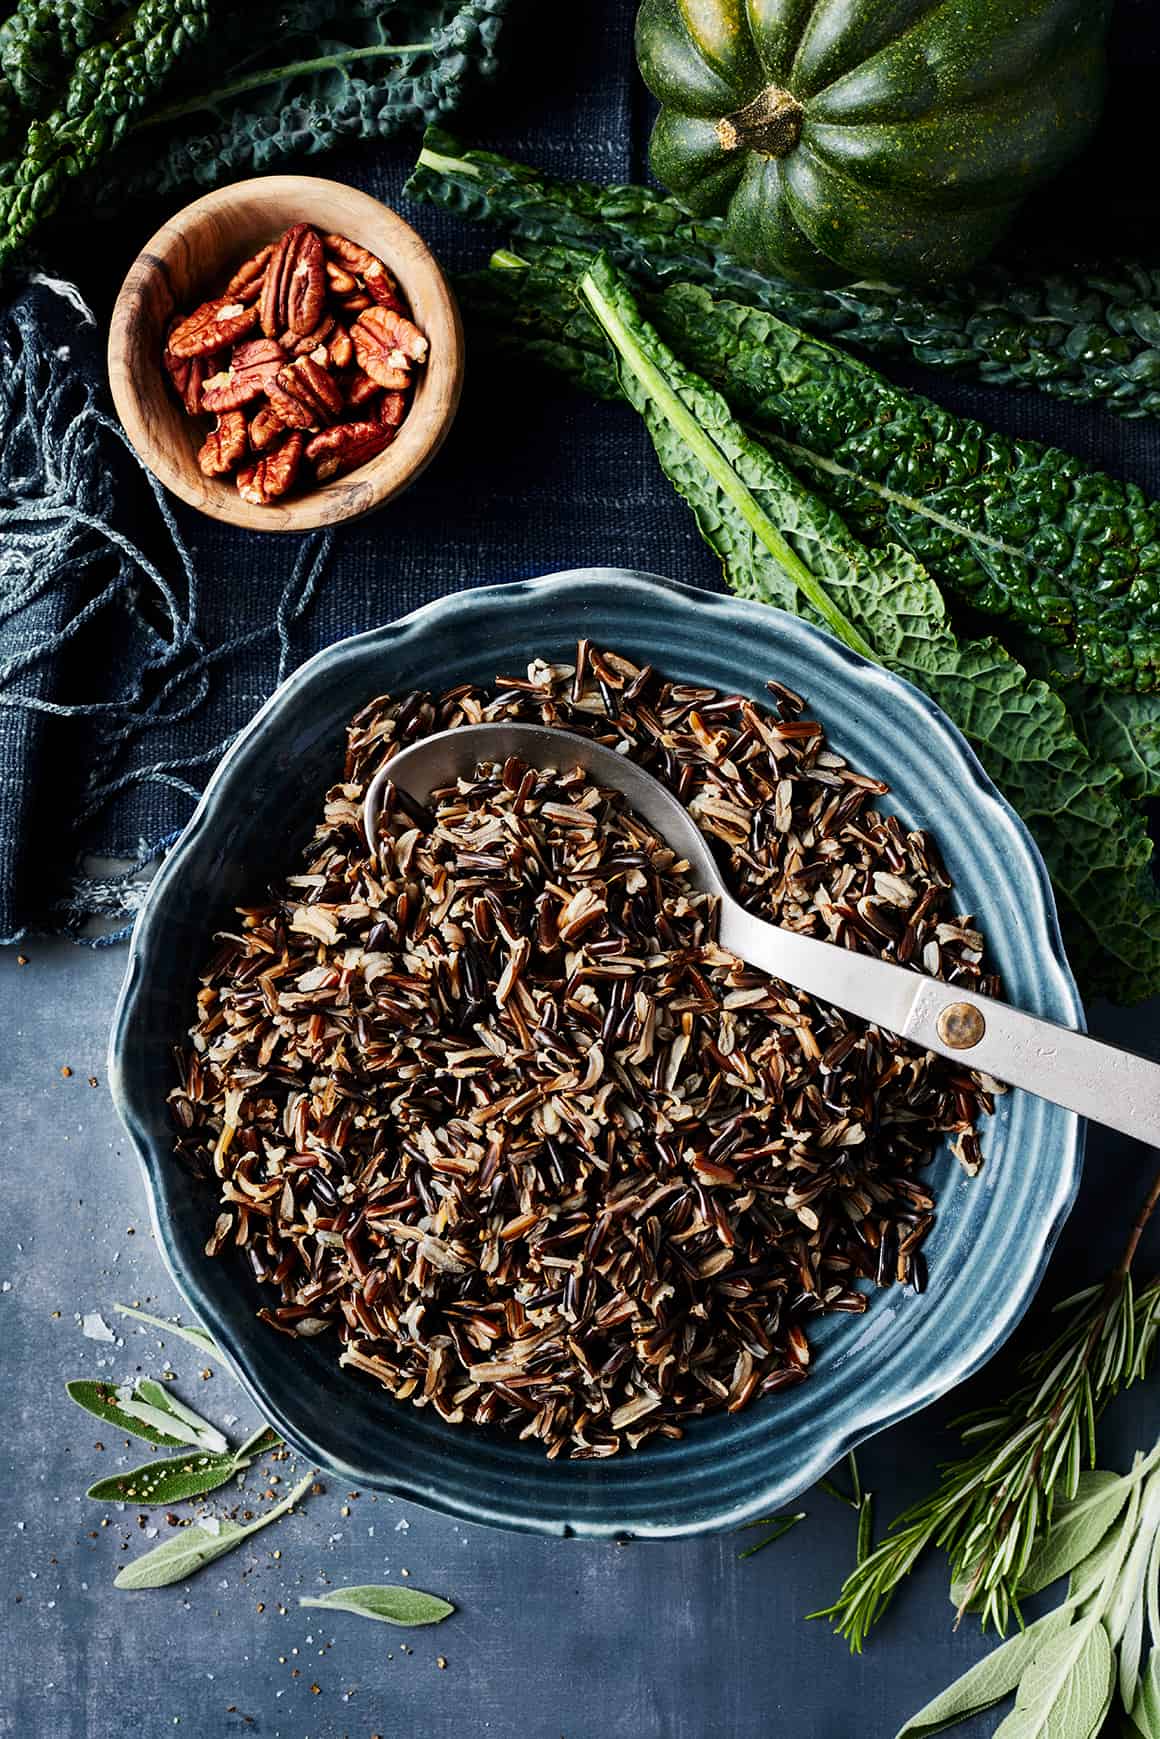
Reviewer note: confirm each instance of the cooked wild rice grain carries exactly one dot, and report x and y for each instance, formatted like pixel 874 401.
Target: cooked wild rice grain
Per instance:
pixel 495 1106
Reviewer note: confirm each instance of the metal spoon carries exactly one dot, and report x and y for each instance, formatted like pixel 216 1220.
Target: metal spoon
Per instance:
pixel 1111 1086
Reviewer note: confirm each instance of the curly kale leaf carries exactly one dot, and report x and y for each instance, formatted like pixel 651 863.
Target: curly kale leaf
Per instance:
pixel 1088 337
pixel 748 506
pixel 322 76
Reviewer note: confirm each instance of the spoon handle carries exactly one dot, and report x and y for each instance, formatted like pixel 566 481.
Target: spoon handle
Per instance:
pixel 1114 1087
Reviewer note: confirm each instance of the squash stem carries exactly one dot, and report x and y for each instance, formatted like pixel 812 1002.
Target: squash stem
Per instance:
pixel 771 124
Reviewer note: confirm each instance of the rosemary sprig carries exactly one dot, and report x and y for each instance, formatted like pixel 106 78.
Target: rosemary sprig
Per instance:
pixel 778 1525
pixel 1027 1452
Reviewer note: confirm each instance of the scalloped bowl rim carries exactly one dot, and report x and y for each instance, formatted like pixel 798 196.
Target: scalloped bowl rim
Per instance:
pixel 993 1329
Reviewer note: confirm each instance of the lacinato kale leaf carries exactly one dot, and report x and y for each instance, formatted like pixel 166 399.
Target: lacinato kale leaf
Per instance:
pixel 170 94
pixel 310 77
pixel 1086 336
pixel 1016 528
pixel 1096 846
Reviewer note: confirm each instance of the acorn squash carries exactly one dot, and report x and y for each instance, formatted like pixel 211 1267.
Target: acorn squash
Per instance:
pixel 868 139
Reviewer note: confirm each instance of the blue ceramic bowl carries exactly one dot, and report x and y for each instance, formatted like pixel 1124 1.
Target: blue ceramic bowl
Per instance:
pixel 993 1234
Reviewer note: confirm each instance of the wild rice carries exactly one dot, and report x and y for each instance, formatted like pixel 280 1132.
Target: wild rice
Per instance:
pixel 495 1106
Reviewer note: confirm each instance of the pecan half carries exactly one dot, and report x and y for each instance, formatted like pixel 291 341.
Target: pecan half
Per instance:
pixel 380 283
pixel 305 395
pixel 340 348
pixel 251 369
pixel 386 344
pixel 305 342
pixel 223 446
pixel 295 286
pixel 265 428
pixel 361 389
pixel 341 282
pixel 246 283
pixel 355 303
pixel 212 327
pixel 188 374
pixel 393 409
pixel 271 475
pixel 344 447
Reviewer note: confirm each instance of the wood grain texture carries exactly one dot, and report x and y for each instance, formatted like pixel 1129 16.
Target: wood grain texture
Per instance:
pixel 190 258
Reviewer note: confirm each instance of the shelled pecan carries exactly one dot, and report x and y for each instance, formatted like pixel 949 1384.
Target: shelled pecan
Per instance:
pixel 346 446
pixel 251 368
pixel 272 473
pixel 305 363
pixel 224 445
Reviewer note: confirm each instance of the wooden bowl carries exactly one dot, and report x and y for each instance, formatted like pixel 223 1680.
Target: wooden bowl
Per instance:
pixel 190 258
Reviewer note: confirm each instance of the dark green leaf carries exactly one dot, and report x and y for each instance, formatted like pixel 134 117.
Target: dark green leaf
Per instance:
pixel 1087 335
pixel 101 1400
pixel 1096 844
pixel 167 1481
pixel 292 81
pixel 1018 529
pixel 389 1604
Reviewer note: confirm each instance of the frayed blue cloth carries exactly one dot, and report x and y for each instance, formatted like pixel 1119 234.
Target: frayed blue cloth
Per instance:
pixel 118 609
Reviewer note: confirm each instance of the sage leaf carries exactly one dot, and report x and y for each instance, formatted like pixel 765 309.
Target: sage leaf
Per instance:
pixel 1077 1529
pixel 1145 1711
pixel 190 1550
pixel 988 1681
pixel 1130 1650
pixel 1133 1577
pixel 101 1399
pixel 389 1604
pixel 197 1337
pixel 1064 1692
pixel 1136 1583
pixel 169 1481
pixel 157 1395
pixel 261 1442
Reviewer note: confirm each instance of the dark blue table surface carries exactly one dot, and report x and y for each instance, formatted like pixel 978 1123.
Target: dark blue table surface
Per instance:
pixel 551 1640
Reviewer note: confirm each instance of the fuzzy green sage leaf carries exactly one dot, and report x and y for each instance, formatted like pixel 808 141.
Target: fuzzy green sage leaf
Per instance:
pixel 157 1395
pixel 1077 1529
pixel 387 1603
pixel 197 1337
pixel 103 1401
pixel 1065 1692
pixel 988 1681
pixel 179 1477
pixel 190 1550
pixel 170 1481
